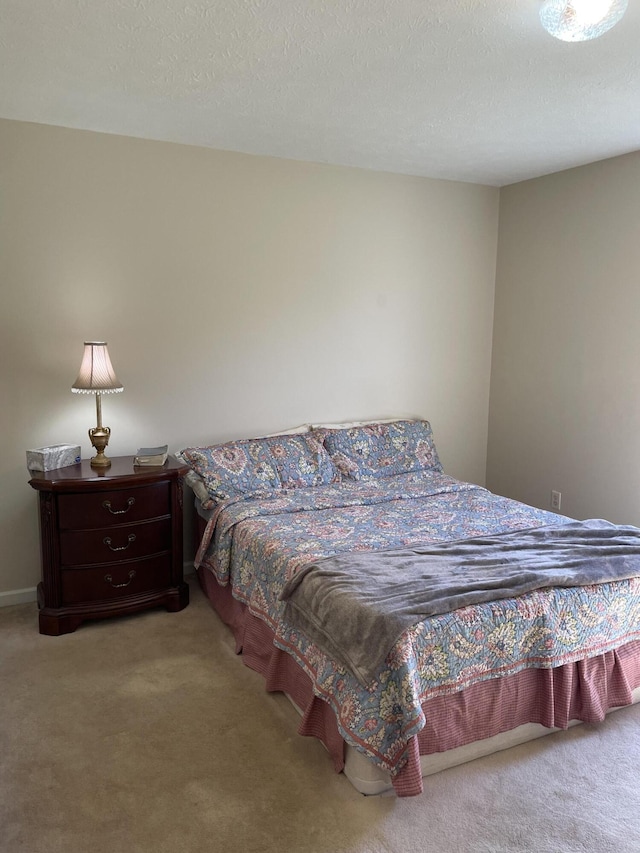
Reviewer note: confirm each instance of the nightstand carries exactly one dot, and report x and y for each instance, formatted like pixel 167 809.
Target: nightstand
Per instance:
pixel 111 542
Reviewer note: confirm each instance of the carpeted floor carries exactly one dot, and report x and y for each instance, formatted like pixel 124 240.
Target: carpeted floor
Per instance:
pixel 147 735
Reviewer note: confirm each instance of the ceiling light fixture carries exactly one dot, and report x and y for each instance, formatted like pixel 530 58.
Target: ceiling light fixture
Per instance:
pixel 580 20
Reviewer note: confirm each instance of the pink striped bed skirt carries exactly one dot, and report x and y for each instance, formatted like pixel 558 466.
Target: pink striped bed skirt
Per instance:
pixel 584 691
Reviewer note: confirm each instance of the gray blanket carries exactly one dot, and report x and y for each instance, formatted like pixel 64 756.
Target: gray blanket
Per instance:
pixel 356 605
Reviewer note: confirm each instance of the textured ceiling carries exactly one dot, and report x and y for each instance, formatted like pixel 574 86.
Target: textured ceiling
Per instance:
pixel 461 89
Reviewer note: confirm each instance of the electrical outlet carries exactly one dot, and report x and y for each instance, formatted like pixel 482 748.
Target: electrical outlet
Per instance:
pixel 556 499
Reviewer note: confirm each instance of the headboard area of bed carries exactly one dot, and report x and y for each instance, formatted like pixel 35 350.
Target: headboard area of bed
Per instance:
pixel 308 455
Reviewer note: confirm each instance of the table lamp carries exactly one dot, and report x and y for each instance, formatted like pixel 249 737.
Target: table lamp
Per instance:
pixel 97 377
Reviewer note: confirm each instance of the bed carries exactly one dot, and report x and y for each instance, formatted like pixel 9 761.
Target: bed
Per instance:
pixel 452 686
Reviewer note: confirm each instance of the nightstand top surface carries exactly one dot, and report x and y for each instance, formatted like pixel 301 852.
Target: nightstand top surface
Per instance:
pixel 121 470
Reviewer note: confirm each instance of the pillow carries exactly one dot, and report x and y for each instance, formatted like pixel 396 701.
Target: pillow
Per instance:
pixel 383 449
pixel 303 428
pixel 302 460
pixel 197 484
pixel 260 466
pixel 350 424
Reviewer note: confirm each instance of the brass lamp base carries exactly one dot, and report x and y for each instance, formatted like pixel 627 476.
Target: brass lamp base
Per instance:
pixel 99 437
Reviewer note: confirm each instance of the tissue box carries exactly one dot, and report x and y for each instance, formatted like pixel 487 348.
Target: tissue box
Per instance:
pixel 56 456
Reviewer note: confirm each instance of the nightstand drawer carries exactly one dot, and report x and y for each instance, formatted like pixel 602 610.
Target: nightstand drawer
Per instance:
pixel 117 581
pixel 104 509
pixel 114 544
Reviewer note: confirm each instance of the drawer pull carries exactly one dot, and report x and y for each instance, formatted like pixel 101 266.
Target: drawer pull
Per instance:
pixel 109 580
pixel 130 503
pixel 130 538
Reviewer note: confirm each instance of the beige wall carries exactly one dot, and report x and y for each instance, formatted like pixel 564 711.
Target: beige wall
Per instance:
pixel 565 386
pixel 238 295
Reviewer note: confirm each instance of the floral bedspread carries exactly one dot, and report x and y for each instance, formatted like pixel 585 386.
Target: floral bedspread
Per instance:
pixel 257 544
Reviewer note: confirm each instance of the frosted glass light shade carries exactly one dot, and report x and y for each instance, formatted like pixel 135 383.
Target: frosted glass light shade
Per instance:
pixel 580 20
pixel 97 375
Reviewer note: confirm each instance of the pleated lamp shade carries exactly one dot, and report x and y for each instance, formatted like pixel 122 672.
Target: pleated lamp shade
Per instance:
pixel 97 375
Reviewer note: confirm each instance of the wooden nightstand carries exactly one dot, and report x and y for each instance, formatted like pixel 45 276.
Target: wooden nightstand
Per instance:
pixel 111 542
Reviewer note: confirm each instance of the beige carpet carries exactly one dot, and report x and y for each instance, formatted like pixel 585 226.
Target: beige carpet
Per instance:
pixel 148 734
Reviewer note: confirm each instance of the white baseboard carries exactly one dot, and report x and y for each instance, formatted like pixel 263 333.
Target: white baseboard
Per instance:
pixel 18 596
pixel 188 569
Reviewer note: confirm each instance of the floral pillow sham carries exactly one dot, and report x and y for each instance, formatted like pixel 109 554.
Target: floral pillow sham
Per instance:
pixel 259 466
pixel 383 449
